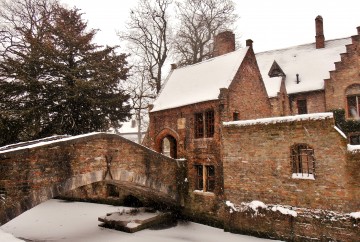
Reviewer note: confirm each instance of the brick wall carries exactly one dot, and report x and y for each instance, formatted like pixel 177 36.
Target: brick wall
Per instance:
pixel 315 101
pixel 257 166
pixel 307 225
pixel 31 176
pixel 179 122
pixel 247 94
pixel 345 74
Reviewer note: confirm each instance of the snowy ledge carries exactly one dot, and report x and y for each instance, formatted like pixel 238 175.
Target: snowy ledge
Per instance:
pixel 355 215
pixel 353 148
pixel 303 176
pixel 265 121
pixel 255 205
pixel 201 192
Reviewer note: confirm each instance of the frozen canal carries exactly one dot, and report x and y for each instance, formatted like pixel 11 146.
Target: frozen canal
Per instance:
pixel 57 220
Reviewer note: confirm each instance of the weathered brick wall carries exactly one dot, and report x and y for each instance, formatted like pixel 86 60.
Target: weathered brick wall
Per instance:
pixel 345 74
pixel 31 176
pixel 315 101
pixel 247 94
pixel 307 225
pixel 195 151
pixel 257 165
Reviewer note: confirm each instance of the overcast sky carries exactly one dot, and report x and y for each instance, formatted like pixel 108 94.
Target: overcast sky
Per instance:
pixel 271 24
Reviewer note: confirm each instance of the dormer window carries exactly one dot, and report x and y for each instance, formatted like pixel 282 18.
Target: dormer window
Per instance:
pixel 275 70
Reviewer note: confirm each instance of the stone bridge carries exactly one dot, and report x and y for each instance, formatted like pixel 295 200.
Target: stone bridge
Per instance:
pixel 34 173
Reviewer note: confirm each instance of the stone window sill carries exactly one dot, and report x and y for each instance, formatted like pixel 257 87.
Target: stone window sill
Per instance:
pixel 303 176
pixel 201 192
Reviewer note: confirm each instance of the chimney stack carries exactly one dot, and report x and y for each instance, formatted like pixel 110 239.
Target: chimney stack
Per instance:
pixel 224 43
pixel 173 66
pixel 319 38
pixel 249 43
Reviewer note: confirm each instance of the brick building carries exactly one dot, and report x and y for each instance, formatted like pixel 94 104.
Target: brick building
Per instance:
pixel 238 86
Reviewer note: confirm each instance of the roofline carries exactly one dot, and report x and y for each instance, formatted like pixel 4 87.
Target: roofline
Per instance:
pixel 316 90
pixel 290 47
pixel 201 102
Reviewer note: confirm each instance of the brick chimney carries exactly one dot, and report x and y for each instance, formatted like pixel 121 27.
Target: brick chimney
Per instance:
pixel 173 66
pixel 224 43
pixel 319 38
pixel 249 43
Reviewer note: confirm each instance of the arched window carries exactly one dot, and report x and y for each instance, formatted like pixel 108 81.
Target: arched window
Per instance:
pixel 353 101
pixel 302 161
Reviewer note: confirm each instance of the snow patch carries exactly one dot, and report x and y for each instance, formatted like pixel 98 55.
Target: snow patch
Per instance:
pixel 303 176
pixel 283 210
pixel 355 215
pixel 340 132
pixel 255 205
pixel 132 225
pixel 266 121
pixel 48 142
pixel 353 148
pixel 5 237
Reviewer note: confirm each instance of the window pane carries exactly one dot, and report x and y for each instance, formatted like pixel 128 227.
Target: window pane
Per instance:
pixel 210 123
pixel 210 170
pixel 235 116
pixel 199 125
pixel 302 106
pixel 302 158
pixel 210 178
pixel 355 139
pixel 352 106
pixel 199 177
pixel 211 185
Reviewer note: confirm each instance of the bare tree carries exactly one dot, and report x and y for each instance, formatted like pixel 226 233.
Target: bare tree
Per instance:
pixel 141 96
pixel 148 38
pixel 200 21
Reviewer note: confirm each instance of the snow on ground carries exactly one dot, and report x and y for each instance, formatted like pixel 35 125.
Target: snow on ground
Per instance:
pixel 5 237
pixel 62 221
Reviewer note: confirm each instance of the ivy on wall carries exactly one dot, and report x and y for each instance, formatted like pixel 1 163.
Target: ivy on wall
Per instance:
pixel 347 126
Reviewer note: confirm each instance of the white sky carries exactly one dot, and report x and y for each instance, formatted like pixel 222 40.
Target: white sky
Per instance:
pixel 271 24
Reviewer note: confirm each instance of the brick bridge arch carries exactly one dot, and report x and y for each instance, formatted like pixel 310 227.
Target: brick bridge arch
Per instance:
pixel 33 174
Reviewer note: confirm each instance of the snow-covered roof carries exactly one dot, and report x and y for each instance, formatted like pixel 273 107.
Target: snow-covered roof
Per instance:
pixel 312 65
pixel 199 82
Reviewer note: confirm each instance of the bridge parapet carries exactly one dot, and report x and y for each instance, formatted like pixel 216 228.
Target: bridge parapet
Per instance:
pixel 33 174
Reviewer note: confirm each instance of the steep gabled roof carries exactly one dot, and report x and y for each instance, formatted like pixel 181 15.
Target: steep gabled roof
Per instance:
pixel 199 82
pixel 313 66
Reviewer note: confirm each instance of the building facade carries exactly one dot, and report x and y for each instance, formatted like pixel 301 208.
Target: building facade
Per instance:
pixel 232 118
